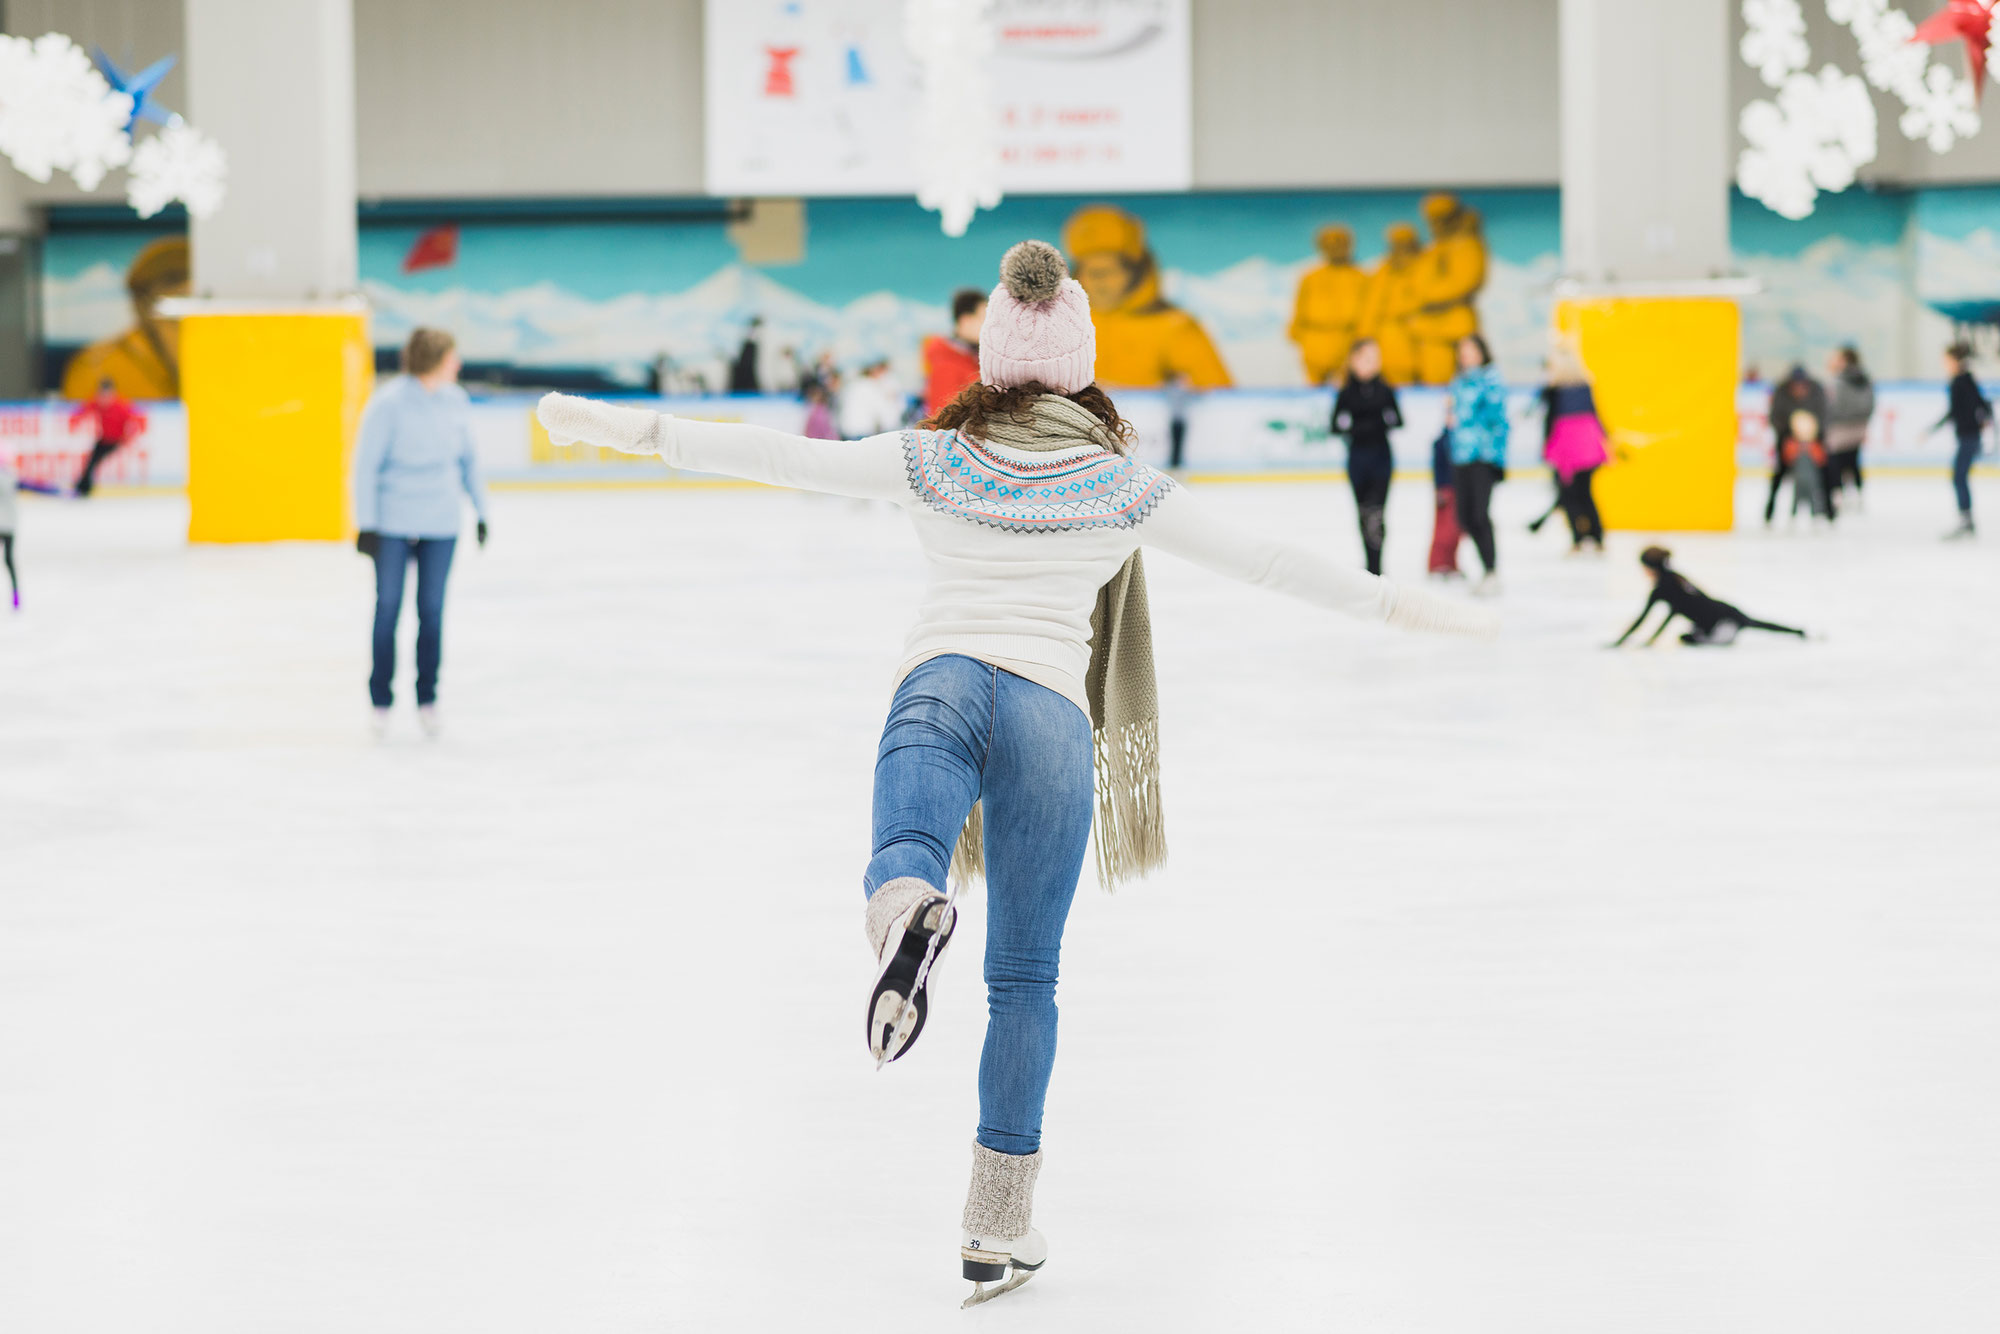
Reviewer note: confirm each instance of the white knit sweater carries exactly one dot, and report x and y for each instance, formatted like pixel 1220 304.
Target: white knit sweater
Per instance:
pixel 1014 569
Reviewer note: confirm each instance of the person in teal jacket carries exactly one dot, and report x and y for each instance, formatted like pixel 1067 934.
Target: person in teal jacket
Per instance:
pixel 1479 430
pixel 414 458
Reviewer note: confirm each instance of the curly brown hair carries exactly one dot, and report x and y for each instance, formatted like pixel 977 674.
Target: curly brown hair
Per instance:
pixel 978 402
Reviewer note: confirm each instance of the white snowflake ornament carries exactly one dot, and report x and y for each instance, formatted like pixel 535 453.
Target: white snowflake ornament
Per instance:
pixel 180 162
pixel 1774 39
pixel 1814 137
pixel 958 160
pixel 1946 111
pixel 57 113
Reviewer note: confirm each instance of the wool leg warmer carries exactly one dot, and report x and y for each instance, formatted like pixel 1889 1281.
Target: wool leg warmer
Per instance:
pixel 890 902
pixel 1001 1200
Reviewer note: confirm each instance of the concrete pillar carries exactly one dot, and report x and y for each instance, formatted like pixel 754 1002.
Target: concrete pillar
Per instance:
pixel 275 355
pixel 1646 157
pixel 272 81
pixel 20 317
pixel 1646 147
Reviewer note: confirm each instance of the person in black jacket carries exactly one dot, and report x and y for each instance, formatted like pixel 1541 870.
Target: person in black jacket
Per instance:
pixel 1364 412
pixel 1968 416
pixel 1715 622
pixel 744 377
pixel 1797 392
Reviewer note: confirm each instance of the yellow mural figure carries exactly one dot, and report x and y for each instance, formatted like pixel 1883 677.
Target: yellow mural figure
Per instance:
pixel 1142 340
pixel 1326 316
pixel 1391 301
pixel 1450 273
pixel 144 361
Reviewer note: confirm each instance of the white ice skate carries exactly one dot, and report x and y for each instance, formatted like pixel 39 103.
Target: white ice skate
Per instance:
pixel 998 1245
pixel 1005 1262
pixel 427 718
pixel 378 722
pixel 910 924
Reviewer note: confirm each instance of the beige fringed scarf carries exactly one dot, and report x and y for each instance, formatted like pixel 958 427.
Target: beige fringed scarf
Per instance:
pixel 1124 700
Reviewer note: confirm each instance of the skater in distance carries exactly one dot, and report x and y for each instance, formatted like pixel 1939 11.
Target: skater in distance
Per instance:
pixel 1714 622
pixel 1025 706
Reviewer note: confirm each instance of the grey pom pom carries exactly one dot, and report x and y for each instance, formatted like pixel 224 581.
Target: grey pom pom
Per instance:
pixel 1033 272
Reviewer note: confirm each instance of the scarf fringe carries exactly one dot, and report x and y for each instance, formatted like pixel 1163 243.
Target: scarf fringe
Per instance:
pixel 968 859
pixel 1131 830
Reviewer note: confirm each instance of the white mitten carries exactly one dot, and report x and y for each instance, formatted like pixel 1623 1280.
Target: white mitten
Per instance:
pixel 570 420
pixel 1421 609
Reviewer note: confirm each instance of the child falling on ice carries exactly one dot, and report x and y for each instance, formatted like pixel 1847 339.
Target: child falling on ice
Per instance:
pixel 1714 622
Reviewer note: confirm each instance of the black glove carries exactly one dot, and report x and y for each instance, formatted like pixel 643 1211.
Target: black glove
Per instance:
pixel 367 543
pixel 480 532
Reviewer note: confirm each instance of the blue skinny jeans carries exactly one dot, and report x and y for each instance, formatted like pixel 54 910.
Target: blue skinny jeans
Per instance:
pixel 961 731
pixel 392 562
pixel 1961 470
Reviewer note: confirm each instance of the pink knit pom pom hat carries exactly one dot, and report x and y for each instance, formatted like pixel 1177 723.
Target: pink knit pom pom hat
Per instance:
pixel 1038 324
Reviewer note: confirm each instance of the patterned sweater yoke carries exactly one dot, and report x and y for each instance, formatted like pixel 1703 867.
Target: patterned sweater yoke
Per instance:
pixel 1066 491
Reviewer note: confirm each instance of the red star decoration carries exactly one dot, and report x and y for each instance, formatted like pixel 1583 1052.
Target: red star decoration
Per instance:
pixel 1968 21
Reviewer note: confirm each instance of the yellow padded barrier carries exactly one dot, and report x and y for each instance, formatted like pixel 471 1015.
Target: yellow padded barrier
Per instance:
pixel 274 401
pixel 1664 373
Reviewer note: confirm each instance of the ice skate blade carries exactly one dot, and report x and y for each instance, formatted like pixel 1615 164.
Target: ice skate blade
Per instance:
pixel 982 1293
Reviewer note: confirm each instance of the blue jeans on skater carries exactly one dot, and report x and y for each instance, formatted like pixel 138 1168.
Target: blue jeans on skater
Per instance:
pixel 961 731
pixel 392 561
pixel 1961 471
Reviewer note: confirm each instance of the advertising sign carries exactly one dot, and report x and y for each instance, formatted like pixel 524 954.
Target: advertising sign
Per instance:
pixel 818 97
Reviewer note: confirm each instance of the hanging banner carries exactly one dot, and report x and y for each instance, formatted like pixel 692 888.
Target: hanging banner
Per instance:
pixel 817 97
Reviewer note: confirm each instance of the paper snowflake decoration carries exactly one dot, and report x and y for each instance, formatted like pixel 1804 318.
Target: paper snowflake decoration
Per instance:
pixel 57 113
pixel 1774 39
pixel 180 162
pixel 958 162
pixel 1944 112
pixel 1818 131
pixel 1812 138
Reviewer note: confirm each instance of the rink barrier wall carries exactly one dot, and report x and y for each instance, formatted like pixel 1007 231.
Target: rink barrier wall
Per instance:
pixel 1233 435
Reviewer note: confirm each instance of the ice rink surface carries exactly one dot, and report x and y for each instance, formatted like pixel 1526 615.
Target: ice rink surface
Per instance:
pixel 1520 987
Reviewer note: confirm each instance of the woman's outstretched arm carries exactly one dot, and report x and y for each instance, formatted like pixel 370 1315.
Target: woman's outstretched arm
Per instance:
pixel 1181 526
pixel 871 469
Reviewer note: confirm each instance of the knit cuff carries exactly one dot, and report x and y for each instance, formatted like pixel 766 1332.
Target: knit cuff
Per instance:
pixel 890 902
pixel 1420 609
pixel 570 420
pixel 1001 1200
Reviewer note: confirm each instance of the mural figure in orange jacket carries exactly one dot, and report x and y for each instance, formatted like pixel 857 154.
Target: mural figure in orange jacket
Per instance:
pixel 1142 339
pixel 1450 273
pixel 1326 316
pixel 144 361
pixel 1391 301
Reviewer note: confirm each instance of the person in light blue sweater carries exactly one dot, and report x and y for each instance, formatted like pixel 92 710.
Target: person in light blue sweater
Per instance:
pixel 1479 431
pixel 415 455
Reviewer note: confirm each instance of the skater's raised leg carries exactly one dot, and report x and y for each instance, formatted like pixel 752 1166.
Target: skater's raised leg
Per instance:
pixel 927 777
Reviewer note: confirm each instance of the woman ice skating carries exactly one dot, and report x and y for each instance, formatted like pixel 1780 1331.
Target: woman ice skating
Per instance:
pixel 1479 432
pixel 1365 411
pixel 1968 415
pixel 415 455
pixel 1850 406
pixel 1027 689
pixel 1714 622
pixel 1575 447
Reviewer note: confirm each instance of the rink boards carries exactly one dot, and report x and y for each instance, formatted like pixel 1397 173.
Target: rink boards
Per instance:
pixel 1252 433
